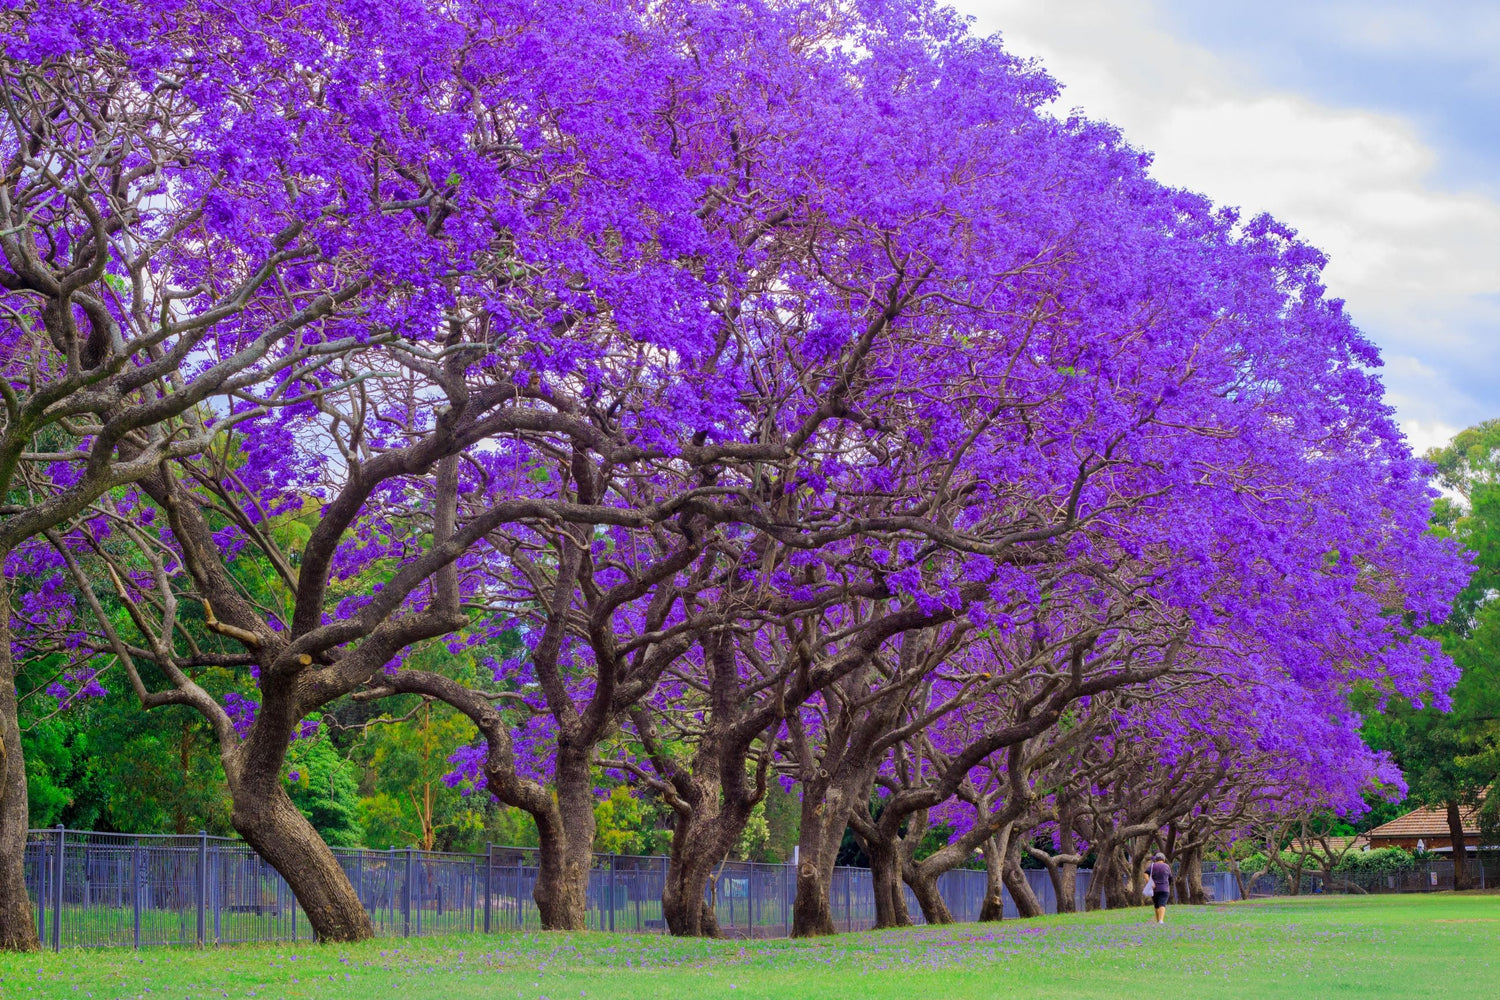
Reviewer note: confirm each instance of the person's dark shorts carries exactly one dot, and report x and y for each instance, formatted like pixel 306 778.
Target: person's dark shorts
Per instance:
pixel 1159 899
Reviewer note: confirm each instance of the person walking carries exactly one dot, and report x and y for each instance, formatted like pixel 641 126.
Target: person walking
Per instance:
pixel 1161 885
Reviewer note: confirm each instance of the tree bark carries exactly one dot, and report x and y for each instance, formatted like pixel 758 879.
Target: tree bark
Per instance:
pixel 1137 885
pixel 825 816
pixel 993 907
pixel 566 846
pixel 1461 877
pixel 1188 886
pixel 702 838
pixel 271 824
pixel 17 922
pixel 1027 905
pixel 684 899
pixel 934 908
pixel 275 828
pixel 1112 873
pixel 885 878
pixel 1066 884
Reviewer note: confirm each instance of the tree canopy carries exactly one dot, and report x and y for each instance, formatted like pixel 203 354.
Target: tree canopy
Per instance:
pixel 687 398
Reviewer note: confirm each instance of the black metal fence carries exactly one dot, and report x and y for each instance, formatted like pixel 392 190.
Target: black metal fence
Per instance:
pixel 98 890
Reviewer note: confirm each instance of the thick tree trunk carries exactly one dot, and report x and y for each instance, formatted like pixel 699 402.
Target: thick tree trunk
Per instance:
pixel 684 901
pixel 924 887
pixel 825 816
pixel 271 824
pixel 1461 877
pixel 17 923
pixel 1027 905
pixel 885 878
pixel 1067 887
pixel 700 841
pixel 1115 875
pixel 566 847
pixel 1189 884
pixel 993 907
pixel 1064 874
pixel 1136 896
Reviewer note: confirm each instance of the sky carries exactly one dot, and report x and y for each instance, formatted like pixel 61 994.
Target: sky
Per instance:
pixel 1370 126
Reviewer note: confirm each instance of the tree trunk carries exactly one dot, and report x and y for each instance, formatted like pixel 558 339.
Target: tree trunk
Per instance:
pixel 1067 887
pixel 993 907
pixel 1119 889
pixel 1027 905
pixel 1239 876
pixel 1136 895
pixel 1461 877
pixel 825 816
pixel 684 901
pixel 924 887
pixel 700 841
pixel 1189 882
pixel 566 847
pixel 271 824
pixel 17 923
pixel 885 878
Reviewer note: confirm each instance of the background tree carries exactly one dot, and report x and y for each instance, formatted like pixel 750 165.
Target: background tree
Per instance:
pixel 1452 758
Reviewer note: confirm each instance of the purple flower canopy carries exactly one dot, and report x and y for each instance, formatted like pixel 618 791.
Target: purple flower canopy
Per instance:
pixel 695 384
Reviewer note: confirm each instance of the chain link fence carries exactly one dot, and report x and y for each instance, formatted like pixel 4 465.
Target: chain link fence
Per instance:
pixel 97 890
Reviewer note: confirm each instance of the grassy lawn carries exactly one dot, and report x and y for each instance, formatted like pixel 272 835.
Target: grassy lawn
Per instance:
pixel 1390 946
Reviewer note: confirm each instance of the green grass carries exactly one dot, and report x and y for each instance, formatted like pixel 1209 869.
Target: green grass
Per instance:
pixel 1443 945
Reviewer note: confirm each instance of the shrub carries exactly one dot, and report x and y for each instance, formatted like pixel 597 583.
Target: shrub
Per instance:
pixel 1381 861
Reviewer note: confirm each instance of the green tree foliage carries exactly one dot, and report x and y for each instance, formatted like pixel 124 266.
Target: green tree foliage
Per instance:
pixel 325 786
pixel 404 801
pixel 104 765
pixel 1455 756
pixel 629 824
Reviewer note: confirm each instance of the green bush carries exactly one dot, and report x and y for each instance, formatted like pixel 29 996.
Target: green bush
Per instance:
pixel 1381 861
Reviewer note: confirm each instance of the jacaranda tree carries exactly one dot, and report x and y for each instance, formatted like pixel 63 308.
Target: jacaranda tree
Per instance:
pixel 775 388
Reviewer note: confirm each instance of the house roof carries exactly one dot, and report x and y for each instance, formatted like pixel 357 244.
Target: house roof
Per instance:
pixel 1425 822
pixel 1336 845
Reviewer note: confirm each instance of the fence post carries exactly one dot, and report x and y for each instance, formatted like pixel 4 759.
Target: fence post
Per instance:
pixel 406 898
pixel 611 893
pixel 848 892
pixel 786 897
pixel 216 893
pixel 57 890
pixel 202 885
pixel 135 888
pixel 489 862
pixel 754 906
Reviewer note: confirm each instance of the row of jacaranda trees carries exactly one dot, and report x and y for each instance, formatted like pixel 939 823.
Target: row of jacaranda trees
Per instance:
pixel 715 394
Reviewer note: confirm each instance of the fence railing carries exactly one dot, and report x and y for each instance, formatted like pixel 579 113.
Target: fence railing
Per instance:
pixel 125 890
pixel 1427 876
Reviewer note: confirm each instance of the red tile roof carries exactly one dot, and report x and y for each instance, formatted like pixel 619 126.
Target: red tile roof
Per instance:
pixel 1425 822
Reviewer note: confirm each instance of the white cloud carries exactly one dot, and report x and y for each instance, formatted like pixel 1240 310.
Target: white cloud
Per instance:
pixel 1419 266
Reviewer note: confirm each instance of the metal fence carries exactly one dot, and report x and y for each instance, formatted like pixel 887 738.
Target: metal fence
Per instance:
pixel 124 890
pixel 1427 876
